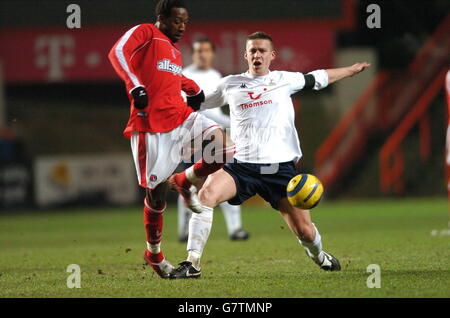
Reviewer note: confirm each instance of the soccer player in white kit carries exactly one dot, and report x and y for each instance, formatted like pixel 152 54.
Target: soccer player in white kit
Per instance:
pixel 267 148
pixel 201 71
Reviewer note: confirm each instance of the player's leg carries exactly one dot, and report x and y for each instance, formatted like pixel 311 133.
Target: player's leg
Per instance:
pixel 299 221
pixel 154 207
pixel 153 167
pixel 219 187
pixel 184 215
pixel 216 152
pixel 214 155
pixel 233 220
pixel 272 188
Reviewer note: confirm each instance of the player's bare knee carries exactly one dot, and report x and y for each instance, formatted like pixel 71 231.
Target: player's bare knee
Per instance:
pixel 208 196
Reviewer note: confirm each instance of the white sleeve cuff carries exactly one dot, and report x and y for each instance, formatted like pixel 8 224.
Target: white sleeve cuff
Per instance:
pixel 321 78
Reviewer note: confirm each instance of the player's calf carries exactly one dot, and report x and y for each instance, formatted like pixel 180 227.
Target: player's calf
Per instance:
pixel 306 232
pixel 299 221
pixel 308 235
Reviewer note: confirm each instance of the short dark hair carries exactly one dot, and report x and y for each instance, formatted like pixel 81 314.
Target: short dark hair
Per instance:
pixel 203 39
pixel 259 36
pixel 164 7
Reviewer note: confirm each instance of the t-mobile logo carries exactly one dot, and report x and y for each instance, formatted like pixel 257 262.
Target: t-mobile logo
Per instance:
pixel 54 53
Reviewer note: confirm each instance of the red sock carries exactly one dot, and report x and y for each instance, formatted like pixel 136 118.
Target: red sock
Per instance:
pixel 154 258
pixel 182 180
pixel 203 169
pixel 153 223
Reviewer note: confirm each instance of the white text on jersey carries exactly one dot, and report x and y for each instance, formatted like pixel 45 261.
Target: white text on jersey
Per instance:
pixel 167 66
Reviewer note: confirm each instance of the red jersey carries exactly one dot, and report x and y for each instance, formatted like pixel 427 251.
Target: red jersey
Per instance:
pixel 144 56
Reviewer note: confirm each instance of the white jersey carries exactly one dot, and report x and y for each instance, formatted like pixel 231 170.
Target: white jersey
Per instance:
pixel 208 81
pixel 262 113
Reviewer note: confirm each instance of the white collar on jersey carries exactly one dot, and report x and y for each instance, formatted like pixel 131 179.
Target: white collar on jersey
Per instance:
pixel 250 75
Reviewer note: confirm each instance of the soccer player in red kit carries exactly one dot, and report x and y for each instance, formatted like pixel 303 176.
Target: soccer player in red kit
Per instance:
pixel 161 123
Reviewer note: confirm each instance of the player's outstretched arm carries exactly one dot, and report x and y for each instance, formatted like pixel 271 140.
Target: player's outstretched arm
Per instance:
pixel 336 74
pixel 216 97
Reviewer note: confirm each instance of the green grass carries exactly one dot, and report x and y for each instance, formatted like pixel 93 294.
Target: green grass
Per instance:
pixel 36 248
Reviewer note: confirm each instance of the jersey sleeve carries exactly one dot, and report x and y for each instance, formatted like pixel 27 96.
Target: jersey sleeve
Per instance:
pixel 215 97
pixel 218 116
pixel 121 53
pixel 189 86
pixel 321 79
pixel 297 80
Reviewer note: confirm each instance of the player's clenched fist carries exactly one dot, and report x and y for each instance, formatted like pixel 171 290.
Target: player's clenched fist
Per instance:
pixel 195 101
pixel 140 97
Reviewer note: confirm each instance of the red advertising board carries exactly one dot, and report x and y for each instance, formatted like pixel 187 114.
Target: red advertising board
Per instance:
pixel 300 47
pixel 62 54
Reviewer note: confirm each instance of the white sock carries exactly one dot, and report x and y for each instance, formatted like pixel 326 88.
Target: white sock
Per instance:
pixel 314 248
pixel 232 214
pixel 194 258
pixel 184 215
pixel 199 229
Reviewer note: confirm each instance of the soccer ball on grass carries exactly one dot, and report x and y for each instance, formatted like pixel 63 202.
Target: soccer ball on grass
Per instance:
pixel 304 191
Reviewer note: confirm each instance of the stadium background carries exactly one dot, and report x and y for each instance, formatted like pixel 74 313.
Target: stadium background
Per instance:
pixel 63 98
pixel 63 109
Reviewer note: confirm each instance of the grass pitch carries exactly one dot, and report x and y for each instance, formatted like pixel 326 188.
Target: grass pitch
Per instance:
pixel 401 236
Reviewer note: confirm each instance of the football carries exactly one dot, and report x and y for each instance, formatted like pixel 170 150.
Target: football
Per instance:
pixel 304 191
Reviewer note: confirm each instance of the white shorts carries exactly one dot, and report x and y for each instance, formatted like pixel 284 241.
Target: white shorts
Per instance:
pixel 157 155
